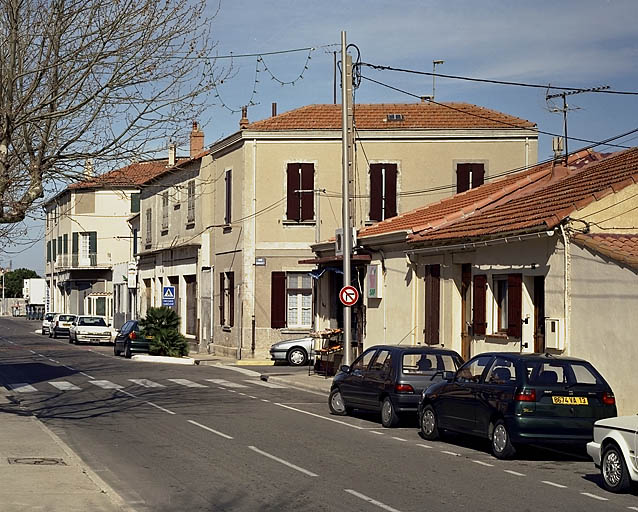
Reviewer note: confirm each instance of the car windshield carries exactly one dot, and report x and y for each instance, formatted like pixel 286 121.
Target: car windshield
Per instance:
pixel 561 373
pixel 93 321
pixel 67 318
pixel 416 363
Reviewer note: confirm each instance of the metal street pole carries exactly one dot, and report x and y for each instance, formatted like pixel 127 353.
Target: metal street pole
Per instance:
pixel 346 111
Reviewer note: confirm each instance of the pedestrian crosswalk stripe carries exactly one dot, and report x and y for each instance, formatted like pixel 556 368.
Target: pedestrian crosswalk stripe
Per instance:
pixel 147 383
pixel 64 385
pixel 226 383
pixel 106 384
pixel 21 387
pixel 187 383
pixel 266 384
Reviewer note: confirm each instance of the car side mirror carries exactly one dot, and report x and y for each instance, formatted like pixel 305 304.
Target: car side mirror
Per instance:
pixel 449 375
pixel 345 368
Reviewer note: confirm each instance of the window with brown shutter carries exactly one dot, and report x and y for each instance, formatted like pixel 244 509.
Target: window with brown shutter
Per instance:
pixel 514 305
pixel 222 293
pixel 231 298
pixel 469 176
pixel 383 191
pixel 479 324
pixel 229 197
pixel 432 303
pixel 278 300
pixel 300 183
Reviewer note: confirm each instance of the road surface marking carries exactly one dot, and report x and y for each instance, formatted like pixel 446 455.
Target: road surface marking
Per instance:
pixel 222 382
pixel 483 463
pixel 422 445
pixel 451 453
pixel 264 400
pixel 53 360
pixel 589 495
pixel 146 383
pixel 231 391
pixel 515 473
pixel 42 355
pixel 371 501
pixel 64 385
pixel 399 439
pixel 33 351
pixel 251 396
pixel 250 373
pixel 106 384
pixel 554 484
pixel 127 393
pixel 266 384
pixel 320 417
pixel 87 375
pixel 21 387
pixel 282 461
pixel 377 433
pixel 240 393
pixel 221 434
pixel 160 408
pixel 68 367
pixel 632 508
pixel 187 383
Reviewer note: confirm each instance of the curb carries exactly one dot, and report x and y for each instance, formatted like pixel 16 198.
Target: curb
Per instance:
pixel 254 362
pixel 304 386
pixel 163 359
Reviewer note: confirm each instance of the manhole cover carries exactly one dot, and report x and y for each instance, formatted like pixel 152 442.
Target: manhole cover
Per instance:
pixel 37 461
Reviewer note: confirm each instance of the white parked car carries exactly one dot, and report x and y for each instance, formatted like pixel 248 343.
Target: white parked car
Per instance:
pixel 46 322
pixel 89 329
pixel 615 451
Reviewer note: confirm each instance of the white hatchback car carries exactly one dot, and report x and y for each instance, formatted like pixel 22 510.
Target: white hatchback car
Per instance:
pixel 89 329
pixel 615 451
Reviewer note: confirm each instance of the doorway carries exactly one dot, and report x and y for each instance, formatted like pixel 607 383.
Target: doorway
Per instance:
pixel 539 314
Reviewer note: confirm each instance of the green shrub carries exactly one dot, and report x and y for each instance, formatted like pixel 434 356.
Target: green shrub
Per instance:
pixel 161 326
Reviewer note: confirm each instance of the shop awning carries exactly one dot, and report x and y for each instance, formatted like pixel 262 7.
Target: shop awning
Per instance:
pixel 356 259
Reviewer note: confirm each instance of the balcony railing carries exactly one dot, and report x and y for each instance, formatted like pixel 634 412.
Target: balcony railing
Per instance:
pixel 84 261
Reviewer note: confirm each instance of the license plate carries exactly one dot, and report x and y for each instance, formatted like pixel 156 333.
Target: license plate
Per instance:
pixel 570 400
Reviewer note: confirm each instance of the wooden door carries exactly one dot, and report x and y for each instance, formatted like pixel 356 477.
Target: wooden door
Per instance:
pixel 539 314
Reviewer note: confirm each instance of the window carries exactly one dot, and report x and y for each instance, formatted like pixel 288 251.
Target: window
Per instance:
pixel 65 244
pixel 165 210
pixel 226 299
pixel 149 226
pixel 135 202
pixel 134 242
pixel 503 371
pixel 229 197
pixel 479 322
pixel 300 183
pixel 508 304
pixel 500 297
pixel 432 302
pixel 88 248
pixel 54 250
pixel 291 300
pixel 48 251
pixel 382 363
pixel 190 217
pixel 383 191
pixel 362 362
pixel 473 370
pixel 469 176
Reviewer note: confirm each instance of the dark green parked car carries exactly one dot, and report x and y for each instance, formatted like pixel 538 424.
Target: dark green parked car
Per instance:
pixel 514 398
pixel 129 341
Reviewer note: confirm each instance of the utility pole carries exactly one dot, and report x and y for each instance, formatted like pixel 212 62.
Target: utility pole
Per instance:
pixel 346 150
pixel 565 108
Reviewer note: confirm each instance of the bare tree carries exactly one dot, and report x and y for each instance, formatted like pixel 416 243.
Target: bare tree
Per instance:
pixel 100 79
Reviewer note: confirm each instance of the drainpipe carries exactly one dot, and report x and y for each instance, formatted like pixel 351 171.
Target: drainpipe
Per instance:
pixel 565 288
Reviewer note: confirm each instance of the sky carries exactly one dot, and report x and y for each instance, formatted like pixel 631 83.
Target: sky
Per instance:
pixel 571 43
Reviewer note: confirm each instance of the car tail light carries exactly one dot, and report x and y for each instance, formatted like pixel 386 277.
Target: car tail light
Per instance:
pixel 403 388
pixel 132 335
pixel 609 398
pixel 525 395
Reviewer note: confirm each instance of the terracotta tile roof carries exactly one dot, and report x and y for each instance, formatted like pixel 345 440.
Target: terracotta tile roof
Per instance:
pixel 623 248
pixel 465 203
pixel 375 117
pixel 547 203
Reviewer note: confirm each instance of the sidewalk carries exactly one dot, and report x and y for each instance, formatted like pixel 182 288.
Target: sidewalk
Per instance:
pixel 40 473
pixel 313 383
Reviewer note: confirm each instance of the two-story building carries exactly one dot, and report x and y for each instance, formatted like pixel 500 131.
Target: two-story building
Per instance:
pixel 276 189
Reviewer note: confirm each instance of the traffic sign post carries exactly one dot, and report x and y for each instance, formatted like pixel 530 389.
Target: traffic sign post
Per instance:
pixel 168 296
pixel 349 296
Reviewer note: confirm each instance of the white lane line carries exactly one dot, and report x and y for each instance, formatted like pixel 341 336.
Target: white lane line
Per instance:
pixel 221 434
pixel 371 501
pixel 68 367
pixel 160 408
pixel 187 383
pixel 282 461
pixel 320 417
pixel 52 360
pixel 515 473
pixel 422 445
pixel 483 463
pixel 250 373
pixel 33 351
pixel 554 484
pixel 87 375
pixel 377 433
pixel 106 384
pixel 42 355
pixel 22 387
pixel 242 394
pixel 451 453
pixel 266 384
pixel 632 508
pixel 146 383
pixel 127 393
pixel 231 391
pixel 589 495
pixel 223 389
pixel 64 385
pixel 228 384
pixel 399 439
pixel 251 396
pixel 264 400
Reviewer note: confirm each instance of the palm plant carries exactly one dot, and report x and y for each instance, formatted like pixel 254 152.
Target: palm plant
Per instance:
pixel 161 326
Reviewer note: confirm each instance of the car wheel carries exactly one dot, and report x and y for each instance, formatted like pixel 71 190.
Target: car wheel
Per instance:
pixel 336 403
pixel 297 357
pixel 127 351
pixel 613 469
pixel 502 446
pixel 389 417
pixel 54 335
pixel 429 424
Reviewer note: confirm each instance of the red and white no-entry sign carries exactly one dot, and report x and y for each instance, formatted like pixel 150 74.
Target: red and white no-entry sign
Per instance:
pixel 349 295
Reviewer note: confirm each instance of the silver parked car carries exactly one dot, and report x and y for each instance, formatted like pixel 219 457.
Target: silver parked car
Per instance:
pixel 296 352
pixel 46 322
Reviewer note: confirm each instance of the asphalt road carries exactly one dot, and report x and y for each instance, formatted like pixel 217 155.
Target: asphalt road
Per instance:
pixel 176 438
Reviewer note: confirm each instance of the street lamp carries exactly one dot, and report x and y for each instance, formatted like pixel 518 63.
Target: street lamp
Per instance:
pixel 434 64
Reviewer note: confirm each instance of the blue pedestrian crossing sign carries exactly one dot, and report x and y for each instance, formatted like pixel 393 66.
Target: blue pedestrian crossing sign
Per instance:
pixel 168 296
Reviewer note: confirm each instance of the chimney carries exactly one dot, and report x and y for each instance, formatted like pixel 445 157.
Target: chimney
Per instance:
pixel 172 152
pixel 88 168
pixel 243 122
pixel 197 140
pixel 274 108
